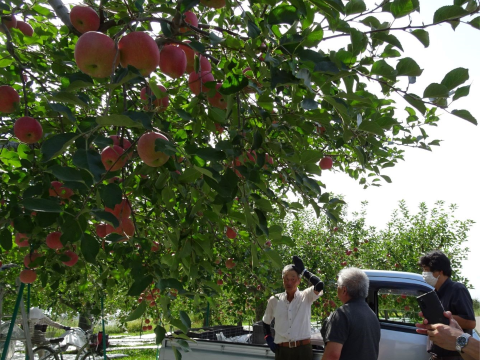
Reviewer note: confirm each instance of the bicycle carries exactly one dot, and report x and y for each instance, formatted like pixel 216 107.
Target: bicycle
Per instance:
pixel 93 349
pixel 56 346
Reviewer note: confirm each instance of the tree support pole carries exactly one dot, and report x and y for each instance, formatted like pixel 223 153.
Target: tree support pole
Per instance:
pixel 12 321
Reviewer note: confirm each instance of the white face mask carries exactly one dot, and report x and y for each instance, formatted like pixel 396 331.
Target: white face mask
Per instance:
pixel 429 278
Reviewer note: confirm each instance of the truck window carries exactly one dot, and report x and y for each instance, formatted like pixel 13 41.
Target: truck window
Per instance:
pixel 398 306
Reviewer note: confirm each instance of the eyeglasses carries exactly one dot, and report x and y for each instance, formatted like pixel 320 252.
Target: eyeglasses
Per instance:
pixel 339 285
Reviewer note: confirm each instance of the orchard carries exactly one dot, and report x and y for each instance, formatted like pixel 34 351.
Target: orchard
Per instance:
pixel 146 145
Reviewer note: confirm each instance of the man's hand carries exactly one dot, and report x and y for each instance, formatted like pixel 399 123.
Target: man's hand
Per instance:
pixel 298 265
pixel 271 343
pixel 66 328
pixel 442 335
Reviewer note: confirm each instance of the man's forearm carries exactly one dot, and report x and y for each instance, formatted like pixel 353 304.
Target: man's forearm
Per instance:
pixel 464 323
pixel 472 350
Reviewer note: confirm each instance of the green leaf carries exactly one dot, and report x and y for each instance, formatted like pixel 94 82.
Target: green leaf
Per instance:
pixel 449 12
pixel 69 98
pixel 111 195
pixel 179 325
pixel 300 5
pixel 211 154
pixel 90 248
pixel 416 102
pixel 163 284
pixel 102 215
pixel 189 175
pixel 310 156
pixel 197 46
pixel 401 8
pixel 138 312
pixel 62 109
pixel 57 144
pixel 371 127
pixel 408 67
pixel 422 36
pixel 355 7
pixel 253 30
pixel 275 257
pixel 359 41
pixel 215 39
pixel 461 92
pixel 465 115
pixel 185 319
pixel 314 38
pixel 388 38
pixel 283 14
pixel 386 178
pixel 184 114
pixel 6 239
pixel 42 205
pixel 371 21
pixel 262 221
pixel 381 68
pixel 89 160
pixel 66 173
pixel 186 5
pixel 117 120
pixel 455 78
pixel 475 23
pixel 233 84
pixel 139 285
pixel 160 333
pixel 435 90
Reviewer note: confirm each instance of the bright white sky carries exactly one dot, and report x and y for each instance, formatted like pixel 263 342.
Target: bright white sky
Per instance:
pixel 450 172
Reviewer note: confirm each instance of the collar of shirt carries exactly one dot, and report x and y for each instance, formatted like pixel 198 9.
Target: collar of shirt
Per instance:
pixel 283 296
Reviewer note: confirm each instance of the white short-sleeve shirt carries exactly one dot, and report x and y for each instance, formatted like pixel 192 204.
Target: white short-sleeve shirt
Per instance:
pixel 292 319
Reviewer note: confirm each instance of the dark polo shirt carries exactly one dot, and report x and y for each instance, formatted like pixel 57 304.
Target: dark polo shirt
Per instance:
pixel 355 326
pixel 455 298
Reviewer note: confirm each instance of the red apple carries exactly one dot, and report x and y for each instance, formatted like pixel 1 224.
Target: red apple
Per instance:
pixel 231 234
pixel 218 100
pixel 84 19
pixel 9 23
pixel 397 265
pixel 146 149
pixel 144 328
pixel 121 210
pixel 53 240
pixel 355 249
pixel 173 61
pixel 28 276
pixel 348 252
pixel 9 99
pixel 229 263
pixel 326 163
pixel 216 4
pixel 155 247
pixel 28 130
pixel 112 158
pixel 268 243
pixel 218 260
pixel 321 130
pixel 190 18
pixel 147 321
pixel 219 282
pixel 332 303
pixel 343 263
pixel 95 54
pixel 190 56
pixel 123 143
pixel 73 258
pixel 407 307
pixel 259 287
pixel 149 327
pixel 25 28
pixel 196 86
pixel 139 50
pixel 159 104
pixel 20 242
pixel 57 189
pixel 30 258
pixel 219 128
pixel 152 304
pixel 101 230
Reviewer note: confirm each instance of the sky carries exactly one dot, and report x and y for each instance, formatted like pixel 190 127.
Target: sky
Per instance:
pixel 451 171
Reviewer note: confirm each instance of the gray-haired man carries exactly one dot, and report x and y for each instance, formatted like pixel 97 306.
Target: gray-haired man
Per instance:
pixel 292 311
pixel 353 330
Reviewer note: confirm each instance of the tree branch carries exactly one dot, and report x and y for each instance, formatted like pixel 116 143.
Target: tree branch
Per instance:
pixel 62 12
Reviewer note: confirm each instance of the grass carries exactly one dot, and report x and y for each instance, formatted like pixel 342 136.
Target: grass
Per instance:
pixel 137 354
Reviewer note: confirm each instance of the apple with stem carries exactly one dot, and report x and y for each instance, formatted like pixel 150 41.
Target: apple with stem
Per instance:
pixel 190 18
pixel 28 130
pixel 9 99
pixel 173 61
pixel 146 149
pixel 112 158
pixel 84 19
pixel 326 163
pixel 96 54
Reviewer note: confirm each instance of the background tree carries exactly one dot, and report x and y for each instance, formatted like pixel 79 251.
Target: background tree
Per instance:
pixel 121 186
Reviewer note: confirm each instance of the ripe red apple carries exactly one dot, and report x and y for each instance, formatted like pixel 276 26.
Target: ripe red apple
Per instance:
pixel 196 81
pixel 95 54
pixel 9 23
pixel 218 260
pixel 218 100
pixel 173 61
pixel 399 300
pixel 229 263
pixel 73 258
pixel 268 159
pixel 84 19
pixel 343 263
pixel 403 296
pixel 216 4
pixel 126 227
pixel 144 328
pixel 9 99
pixel 190 18
pixel 321 130
pixel 112 158
pixel 348 252
pixel 53 240
pixel 57 189
pixel 25 28
pixel 146 149
pixel 332 303
pixel 268 243
pixel 407 307
pixel 159 104
pixel 20 242
pixel 326 163
pixel 123 143
pixel 140 300
pixel 147 321
pixel 219 282
pixel 397 265
pixel 152 304
pixel 28 130
pixel 259 287
pixel 155 247
pixel 30 258
pixel 355 249
pixel 121 210
pixel 190 56
pixel 149 327
pixel 219 128
pixel 101 230
pixel 28 276
pixel 231 234
pixel 139 50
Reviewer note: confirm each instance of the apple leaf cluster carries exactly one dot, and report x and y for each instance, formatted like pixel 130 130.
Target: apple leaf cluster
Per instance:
pixel 98 109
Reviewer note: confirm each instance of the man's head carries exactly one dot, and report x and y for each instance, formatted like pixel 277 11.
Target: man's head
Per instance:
pixel 352 284
pixel 291 279
pixel 436 262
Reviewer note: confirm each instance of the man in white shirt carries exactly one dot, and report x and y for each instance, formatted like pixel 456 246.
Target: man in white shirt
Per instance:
pixel 292 311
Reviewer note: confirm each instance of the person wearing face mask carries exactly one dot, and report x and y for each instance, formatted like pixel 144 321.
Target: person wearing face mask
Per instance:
pixel 454 297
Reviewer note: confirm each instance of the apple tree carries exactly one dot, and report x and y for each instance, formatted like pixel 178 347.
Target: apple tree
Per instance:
pixel 141 141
